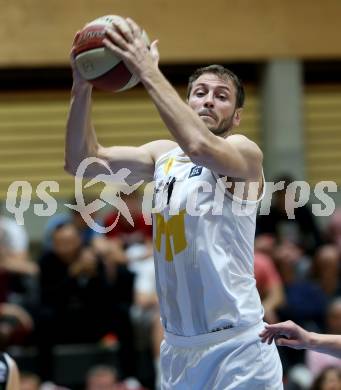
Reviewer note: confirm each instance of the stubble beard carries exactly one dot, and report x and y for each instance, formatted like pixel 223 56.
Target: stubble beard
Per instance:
pixel 224 127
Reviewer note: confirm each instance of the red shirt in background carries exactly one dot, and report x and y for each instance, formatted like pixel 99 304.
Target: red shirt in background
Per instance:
pixel 266 274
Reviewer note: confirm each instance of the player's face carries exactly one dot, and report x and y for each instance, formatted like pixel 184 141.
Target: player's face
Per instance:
pixel 214 100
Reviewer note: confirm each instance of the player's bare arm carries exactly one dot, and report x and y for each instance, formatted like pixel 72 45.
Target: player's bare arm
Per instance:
pixel 81 141
pixel 289 334
pixel 235 157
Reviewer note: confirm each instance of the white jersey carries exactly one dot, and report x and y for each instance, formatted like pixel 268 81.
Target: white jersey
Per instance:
pixel 203 250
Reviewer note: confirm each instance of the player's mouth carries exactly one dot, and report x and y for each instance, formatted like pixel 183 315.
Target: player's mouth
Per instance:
pixel 207 113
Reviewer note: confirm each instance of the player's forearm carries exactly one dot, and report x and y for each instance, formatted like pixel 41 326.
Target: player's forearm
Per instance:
pixel 185 125
pixel 81 140
pixel 325 343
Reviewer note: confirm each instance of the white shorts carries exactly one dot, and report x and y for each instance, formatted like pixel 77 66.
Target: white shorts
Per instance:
pixel 230 359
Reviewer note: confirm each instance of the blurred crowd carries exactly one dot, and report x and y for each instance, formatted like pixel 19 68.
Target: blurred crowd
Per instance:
pixel 87 288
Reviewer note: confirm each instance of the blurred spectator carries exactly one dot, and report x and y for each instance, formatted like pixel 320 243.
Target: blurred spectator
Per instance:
pixel 265 243
pixel 145 313
pixel 18 274
pixel 18 284
pixel 326 270
pixel 15 325
pixel 87 234
pixel 121 286
pixel 301 230
pixel 329 379
pixel 72 283
pixel 14 248
pixel 123 230
pixel 106 378
pixel 334 230
pixel 316 361
pixel 9 373
pixel 85 298
pixel 101 378
pixel 17 271
pixel 269 285
pixel 75 297
pixel 29 381
pixel 305 299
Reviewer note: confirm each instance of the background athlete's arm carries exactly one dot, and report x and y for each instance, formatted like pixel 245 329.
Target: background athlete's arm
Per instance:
pixel 81 140
pixel 298 338
pixel 234 157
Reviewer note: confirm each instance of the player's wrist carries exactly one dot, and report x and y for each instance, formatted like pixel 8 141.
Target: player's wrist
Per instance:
pixel 81 86
pixel 312 341
pixel 150 76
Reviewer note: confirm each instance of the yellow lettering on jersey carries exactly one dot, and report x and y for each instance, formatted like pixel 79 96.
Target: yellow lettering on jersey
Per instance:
pixel 168 165
pixel 175 228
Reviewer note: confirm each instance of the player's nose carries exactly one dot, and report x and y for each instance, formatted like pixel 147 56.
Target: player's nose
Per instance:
pixel 209 102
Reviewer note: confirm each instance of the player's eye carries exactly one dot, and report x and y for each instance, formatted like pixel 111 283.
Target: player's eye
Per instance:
pixel 199 93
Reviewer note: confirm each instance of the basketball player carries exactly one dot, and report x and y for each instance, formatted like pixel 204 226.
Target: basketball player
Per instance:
pixel 210 308
pixel 9 375
pixel 289 334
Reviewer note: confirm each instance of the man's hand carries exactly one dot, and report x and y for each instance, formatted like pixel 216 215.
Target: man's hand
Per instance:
pixel 126 41
pixel 295 336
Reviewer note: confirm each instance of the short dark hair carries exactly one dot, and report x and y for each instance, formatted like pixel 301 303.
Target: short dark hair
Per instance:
pixel 224 74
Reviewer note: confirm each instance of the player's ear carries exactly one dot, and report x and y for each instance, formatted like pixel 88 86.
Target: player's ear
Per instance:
pixel 237 117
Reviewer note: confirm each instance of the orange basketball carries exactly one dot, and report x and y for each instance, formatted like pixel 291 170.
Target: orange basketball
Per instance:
pixel 101 67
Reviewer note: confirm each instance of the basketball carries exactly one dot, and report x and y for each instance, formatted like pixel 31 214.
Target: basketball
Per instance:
pixel 101 67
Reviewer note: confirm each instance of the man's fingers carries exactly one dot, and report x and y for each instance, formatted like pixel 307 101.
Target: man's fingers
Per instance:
pixel 279 329
pixel 283 342
pixel 116 39
pixel 108 44
pixel 267 335
pixel 273 327
pixel 135 28
pixel 124 30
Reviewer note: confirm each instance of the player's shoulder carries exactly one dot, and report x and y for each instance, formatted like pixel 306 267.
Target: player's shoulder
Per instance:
pixel 245 144
pixel 241 139
pixel 160 147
